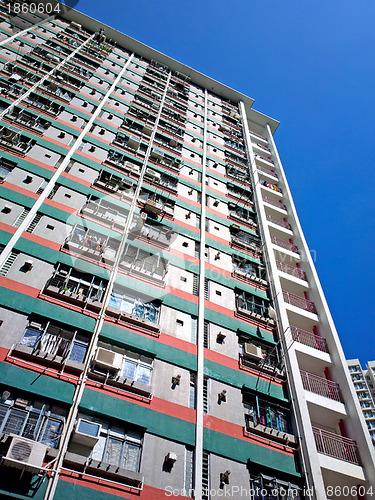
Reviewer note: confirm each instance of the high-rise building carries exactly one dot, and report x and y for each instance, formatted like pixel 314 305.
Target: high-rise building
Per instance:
pixel 364 385
pixel 163 332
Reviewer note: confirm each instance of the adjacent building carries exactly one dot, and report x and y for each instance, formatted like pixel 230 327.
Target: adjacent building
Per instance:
pixel 163 332
pixel 364 385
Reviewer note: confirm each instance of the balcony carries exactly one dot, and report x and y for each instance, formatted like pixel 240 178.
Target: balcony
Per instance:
pixel 173 116
pixel 114 184
pixel 275 203
pixel 336 446
pixel 293 271
pixel 273 187
pixel 77 288
pixel 261 146
pixel 278 222
pixel 157 235
pixel 160 180
pixel 237 174
pixel 53 89
pixel 28 121
pixel 242 216
pixel 130 143
pixel 135 310
pixel 11 139
pixel 253 307
pixel 43 104
pixel 321 386
pixel 300 302
pixel 268 421
pixel 91 244
pixel 266 159
pixel 258 136
pixel 18 74
pixel 120 162
pixel 284 244
pixel 143 264
pixel 107 213
pixel 267 171
pixel 245 241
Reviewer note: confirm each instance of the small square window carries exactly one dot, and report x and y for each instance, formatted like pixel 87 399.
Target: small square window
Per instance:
pixel 216 184
pixel 192 155
pixel 183 278
pixel 179 322
pixel 67 195
pixel 185 244
pixel 6 209
pixel 217 228
pixel 81 170
pixel 51 228
pixel 218 293
pixel 48 156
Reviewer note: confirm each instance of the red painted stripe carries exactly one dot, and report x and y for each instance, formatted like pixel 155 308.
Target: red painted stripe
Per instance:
pixel 7 228
pixel 18 287
pixel 232 363
pixel 60 206
pixel 20 190
pixel 41 241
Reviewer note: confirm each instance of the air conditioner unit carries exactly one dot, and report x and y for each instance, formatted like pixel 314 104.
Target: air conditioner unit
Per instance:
pixel 107 359
pixel 25 454
pixel 86 433
pixel 252 351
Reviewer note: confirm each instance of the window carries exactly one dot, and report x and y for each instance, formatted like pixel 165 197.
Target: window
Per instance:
pixel 118 446
pixel 57 341
pixel 251 303
pixel 135 306
pixel 137 367
pixel 265 487
pixel 31 419
pixel 264 413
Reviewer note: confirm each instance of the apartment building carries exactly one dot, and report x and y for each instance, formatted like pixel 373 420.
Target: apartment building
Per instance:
pixel 364 384
pixel 163 332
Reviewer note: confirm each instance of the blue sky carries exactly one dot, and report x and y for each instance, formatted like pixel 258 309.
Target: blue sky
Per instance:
pixel 309 64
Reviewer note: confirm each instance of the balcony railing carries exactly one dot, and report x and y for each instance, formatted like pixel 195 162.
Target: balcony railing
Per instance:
pixel 271 186
pixel 321 386
pixel 267 171
pixel 336 446
pixel 275 203
pixel 284 244
pixel 264 158
pixel 257 135
pixel 265 148
pixel 279 222
pixel 309 339
pixel 296 300
pixel 293 271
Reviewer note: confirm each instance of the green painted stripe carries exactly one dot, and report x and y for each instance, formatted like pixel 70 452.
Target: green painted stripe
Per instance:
pixel 156 423
pixel 242 451
pixel 237 378
pixel 235 324
pixel 35 383
pixel 27 305
pixel 66 490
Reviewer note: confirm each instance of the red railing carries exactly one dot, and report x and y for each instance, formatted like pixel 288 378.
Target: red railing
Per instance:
pixel 271 186
pixel 265 158
pixel 279 222
pixel 275 203
pixel 321 386
pixel 267 171
pixel 284 244
pixel 293 271
pixel 296 300
pixel 257 135
pixel 309 339
pixel 265 148
pixel 336 446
